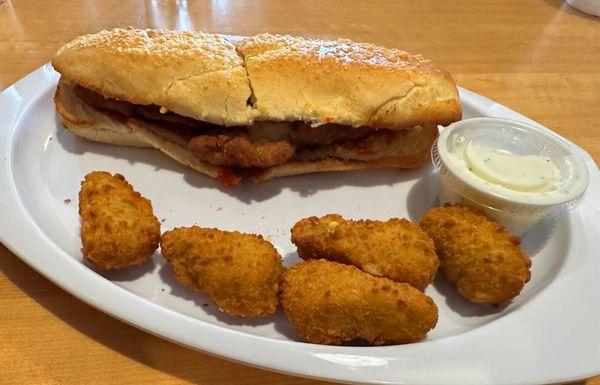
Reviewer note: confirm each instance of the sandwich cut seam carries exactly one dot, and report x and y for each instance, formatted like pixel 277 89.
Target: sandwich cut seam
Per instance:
pixel 252 98
pixel 391 100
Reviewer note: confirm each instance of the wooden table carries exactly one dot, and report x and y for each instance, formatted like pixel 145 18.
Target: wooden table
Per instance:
pixel 538 57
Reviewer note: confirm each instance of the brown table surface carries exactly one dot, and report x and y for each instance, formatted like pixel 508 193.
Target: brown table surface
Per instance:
pixel 538 57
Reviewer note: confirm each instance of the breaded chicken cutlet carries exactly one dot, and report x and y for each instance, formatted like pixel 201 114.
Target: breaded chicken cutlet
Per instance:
pixel 118 228
pixel 396 249
pixel 330 303
pixel 478 255
pixel 240 272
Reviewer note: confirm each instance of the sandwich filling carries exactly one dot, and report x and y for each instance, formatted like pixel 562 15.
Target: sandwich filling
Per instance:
pixel 265 144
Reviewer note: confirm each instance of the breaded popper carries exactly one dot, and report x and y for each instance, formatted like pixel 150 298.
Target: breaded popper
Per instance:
pixel 396 249
pixel 330 303
pixel 478 255
pixel 118 228
pixel 240 272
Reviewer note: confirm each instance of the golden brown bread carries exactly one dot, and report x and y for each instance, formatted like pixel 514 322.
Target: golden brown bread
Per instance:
pixel 202 76
pixel 343 82
pixel 194 74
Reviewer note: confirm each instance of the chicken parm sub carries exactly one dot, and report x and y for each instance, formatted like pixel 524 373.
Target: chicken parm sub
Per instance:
pixel 264 107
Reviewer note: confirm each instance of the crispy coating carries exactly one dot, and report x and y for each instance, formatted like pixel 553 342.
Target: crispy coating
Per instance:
pixel 330 303
pixel 478 255
pixel 396 249
pixel 235 149
pixel 118 228
pixel 240 272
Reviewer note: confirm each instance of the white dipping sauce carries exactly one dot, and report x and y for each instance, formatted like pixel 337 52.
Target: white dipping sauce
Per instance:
pixel 522 173
pixel 513 172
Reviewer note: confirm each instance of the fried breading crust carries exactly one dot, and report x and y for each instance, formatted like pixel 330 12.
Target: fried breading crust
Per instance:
pixel 118 228
pixel 330 303
pixel 240 272
pixel 478 255
pixel 396 249
pixel 235 149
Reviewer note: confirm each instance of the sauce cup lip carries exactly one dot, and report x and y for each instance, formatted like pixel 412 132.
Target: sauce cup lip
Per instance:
pixel 570 200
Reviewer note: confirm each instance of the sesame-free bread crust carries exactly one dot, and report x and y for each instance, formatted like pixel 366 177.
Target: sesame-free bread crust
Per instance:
pixel 344 82
pixel 270 77
pixel 193 74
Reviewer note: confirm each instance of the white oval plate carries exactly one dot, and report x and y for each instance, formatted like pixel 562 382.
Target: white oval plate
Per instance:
pixel 549 333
